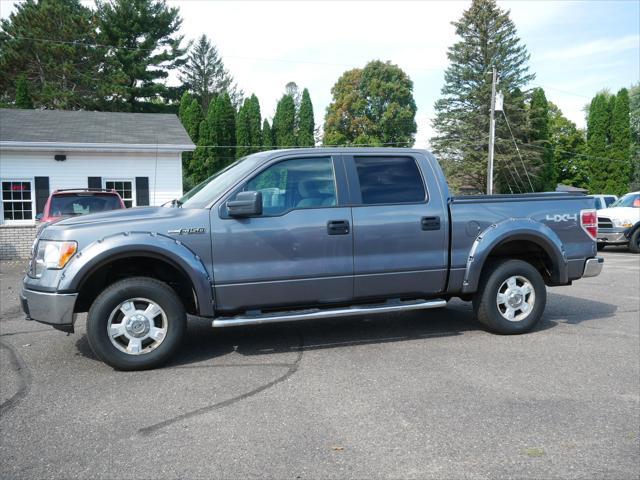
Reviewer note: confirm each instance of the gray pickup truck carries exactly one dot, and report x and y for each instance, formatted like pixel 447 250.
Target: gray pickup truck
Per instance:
pixel 290 235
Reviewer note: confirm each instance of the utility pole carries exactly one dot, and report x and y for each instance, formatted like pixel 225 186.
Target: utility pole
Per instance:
pixel 492 134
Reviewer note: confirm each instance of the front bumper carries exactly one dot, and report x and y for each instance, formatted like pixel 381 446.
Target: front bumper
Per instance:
pixel 612 235
pixel 55 309
pixel 593 267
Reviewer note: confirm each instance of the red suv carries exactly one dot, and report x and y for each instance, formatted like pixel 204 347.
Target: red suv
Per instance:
pixel 79 201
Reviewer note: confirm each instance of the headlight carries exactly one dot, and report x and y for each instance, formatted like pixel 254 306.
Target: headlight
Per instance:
pixel 53 255
pixel 622 223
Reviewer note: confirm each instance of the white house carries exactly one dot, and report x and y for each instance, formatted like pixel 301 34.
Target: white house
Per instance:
pixel 137 154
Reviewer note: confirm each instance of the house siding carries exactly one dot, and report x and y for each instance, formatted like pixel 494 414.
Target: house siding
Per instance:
pixel 163 170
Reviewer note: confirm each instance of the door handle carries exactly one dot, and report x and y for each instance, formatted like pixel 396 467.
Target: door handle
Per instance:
pixel 430 223
pixel 337 227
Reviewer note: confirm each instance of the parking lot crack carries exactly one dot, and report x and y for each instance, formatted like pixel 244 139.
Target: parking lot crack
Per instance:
pixel 291 369
pixel 24 379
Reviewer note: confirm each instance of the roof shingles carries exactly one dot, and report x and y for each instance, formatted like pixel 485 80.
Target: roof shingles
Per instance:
pixel 82 127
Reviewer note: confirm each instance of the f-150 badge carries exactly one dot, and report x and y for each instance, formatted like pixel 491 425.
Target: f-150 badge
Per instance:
pixel 186 231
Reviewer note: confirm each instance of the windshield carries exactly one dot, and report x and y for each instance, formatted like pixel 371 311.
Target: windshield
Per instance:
pixel 629 200
pixel 81 204
pixel 208 191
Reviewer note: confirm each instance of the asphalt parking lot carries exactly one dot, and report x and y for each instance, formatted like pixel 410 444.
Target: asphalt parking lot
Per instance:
pixel 419 395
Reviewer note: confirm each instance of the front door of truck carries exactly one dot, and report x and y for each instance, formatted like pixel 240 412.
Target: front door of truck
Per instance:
pixel 299 251
pixel 399 227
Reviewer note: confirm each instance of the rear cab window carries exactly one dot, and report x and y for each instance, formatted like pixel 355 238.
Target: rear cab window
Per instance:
pixel 388 180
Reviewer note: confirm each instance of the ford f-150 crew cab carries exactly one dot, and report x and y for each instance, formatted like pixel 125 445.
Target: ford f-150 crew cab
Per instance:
pixel 291 235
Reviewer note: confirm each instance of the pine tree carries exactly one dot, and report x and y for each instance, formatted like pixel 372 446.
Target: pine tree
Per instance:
pixel 488 39
pixel 190 115
pixel 267 136
pixel 620 148
pixel 248 132
pixel 23 98
pixel 205 75
pixel 306 124
pixel 539 136
pixel 243 132
pixel 254 119
pixel 284 122
pixel 634 115
pixel 144 45
pixel 373 105
pixel 223 132
pixel 61 75
pixel 598 129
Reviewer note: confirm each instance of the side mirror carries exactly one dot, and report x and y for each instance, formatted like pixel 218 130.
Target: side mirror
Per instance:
pixel 246 204
pixel 39 216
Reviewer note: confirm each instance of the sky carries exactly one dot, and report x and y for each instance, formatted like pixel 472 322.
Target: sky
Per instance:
pixel 577 48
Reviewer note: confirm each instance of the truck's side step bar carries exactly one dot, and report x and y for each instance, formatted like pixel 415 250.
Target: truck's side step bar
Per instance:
pixel 316 313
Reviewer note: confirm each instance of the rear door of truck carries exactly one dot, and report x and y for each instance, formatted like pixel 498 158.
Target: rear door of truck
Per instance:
pixel 400 225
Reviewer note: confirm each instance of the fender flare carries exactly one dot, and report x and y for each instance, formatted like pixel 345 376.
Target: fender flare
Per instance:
pixel 514 229
pixel 142 244
pixel 632 230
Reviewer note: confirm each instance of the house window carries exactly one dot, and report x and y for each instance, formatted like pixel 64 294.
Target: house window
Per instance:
pixel 124 189
pixel 17 201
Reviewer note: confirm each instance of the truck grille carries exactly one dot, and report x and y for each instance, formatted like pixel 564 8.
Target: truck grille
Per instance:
pixel 604 222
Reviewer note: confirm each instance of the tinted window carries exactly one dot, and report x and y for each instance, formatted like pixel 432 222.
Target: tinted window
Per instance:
pixel 609 200
pixel 629 200
pixel 389 180
pixel 79 204
pixel 293 184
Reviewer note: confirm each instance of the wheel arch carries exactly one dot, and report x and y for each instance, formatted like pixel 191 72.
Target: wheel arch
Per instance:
pixel 525 239
pixel 139 251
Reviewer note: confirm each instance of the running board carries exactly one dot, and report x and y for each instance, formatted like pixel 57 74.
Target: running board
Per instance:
pixel 316 313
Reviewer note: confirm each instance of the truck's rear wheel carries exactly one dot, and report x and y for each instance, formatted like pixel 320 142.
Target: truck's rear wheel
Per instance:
pixel 511 297
pixel 136 324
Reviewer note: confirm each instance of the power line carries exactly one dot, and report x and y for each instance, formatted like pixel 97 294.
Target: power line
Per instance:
pixel 518 150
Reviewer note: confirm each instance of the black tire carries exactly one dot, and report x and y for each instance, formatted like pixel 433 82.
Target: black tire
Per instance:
pixel 107 304
pixel 600 246
pixel 634 242
pixel 485 301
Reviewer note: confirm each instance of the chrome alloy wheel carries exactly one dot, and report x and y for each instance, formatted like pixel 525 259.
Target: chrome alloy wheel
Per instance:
pixel 516 298
pixel 137 326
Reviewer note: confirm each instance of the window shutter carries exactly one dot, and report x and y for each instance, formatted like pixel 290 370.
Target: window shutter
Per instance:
pixel 142 191
pixel 42 192
pixel 94 182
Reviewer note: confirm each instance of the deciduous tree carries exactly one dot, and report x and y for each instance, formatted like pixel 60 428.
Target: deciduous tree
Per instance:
pixel 373 105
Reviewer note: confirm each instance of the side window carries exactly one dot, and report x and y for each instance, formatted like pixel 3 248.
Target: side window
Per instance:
pixel 293 184
pixel 609 200
pixel 389 180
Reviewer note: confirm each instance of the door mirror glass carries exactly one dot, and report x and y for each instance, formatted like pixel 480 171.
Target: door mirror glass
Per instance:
pixel 246 204
pixel 39 216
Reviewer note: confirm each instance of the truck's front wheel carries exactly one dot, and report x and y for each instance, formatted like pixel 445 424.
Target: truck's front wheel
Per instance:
pixel 136 324
pixel 511 297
